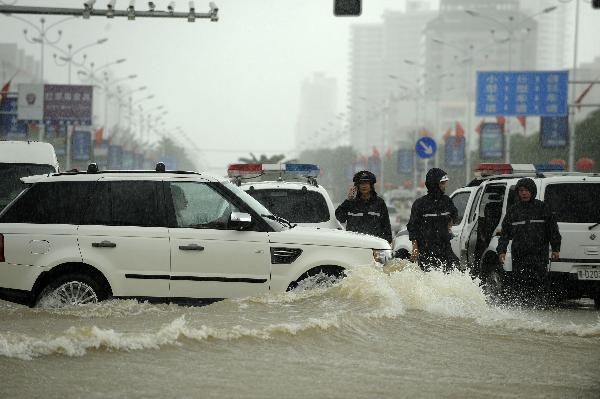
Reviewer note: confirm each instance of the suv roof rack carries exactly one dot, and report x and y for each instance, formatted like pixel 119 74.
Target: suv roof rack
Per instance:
pixel 93 169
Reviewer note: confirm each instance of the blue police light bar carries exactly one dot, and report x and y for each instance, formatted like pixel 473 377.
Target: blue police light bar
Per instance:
pixel 549 167
pixel 306 169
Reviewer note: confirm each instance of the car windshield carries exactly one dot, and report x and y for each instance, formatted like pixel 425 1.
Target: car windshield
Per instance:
pixel 10 175
pixel 297 206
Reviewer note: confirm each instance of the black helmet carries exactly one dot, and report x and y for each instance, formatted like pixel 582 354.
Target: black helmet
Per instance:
pixel 364 175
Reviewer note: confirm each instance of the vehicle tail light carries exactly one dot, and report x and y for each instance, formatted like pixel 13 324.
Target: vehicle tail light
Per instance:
pixel 2 248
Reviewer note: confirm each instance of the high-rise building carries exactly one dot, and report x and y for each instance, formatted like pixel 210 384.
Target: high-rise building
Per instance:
pixel 472 35
pixel 15 64
pixel 555 32
pixel 318 105
pixel 367 86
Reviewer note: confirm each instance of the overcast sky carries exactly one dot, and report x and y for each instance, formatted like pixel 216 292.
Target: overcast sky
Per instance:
pixel 232 85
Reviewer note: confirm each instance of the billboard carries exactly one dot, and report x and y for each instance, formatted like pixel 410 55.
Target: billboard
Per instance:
pixel 405 161
pixel 81 145
pixel 31 102
pixel 491 141
pixel 554 131
pixel 455 151
pixel 11 128
pixel 71 103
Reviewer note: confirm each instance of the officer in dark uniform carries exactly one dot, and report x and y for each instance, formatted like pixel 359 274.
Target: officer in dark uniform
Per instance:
pixel 431 218
pixel 532 228
pixel 364 211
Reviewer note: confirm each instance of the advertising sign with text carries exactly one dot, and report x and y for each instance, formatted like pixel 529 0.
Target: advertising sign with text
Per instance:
pixel 554 131
pixel 491 141
pixel 72 103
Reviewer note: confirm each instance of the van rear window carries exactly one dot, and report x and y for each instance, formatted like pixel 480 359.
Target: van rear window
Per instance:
pixel 10 175
pixel 574 202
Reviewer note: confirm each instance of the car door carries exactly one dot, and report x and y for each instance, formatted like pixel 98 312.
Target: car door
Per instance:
pixel 124 234
pixel 209 259
pixel 461 199
pixel 470 226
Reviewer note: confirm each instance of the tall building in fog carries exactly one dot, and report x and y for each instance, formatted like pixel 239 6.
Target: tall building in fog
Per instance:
pixel 555 32
pixel 378 68
pixel 318 105
pixel 463 39
pixel 367 85
pixel 14 63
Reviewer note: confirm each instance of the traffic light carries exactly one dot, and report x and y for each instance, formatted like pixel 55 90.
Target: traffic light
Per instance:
pixel 596 4
pixel 347 7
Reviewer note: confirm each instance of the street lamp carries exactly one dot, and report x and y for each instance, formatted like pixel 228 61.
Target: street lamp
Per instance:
pixel 68 55
pixel 92 70
pixel 511 27
pixel 42 38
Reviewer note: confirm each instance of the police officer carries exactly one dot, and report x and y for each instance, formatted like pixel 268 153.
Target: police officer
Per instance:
pixel 364 211
pixel 532 228
pixel 431 218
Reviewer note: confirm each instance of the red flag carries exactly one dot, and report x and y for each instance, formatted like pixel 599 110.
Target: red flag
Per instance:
pixel 98 135
pixel 501 121
pixel 4 90
pixel 388 153
pixel 478 128
pixel 375 152
pixel 447 135
pixel 583 94
pixel 522 120
pixel 460 132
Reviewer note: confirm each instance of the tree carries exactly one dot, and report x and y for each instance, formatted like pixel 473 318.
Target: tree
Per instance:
pixel 263 159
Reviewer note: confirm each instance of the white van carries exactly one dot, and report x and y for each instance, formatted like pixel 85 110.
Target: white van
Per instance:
pixel 19 159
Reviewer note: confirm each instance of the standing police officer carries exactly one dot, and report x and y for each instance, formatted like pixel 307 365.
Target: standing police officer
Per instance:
pixel 364 211
pixel 532 228
pixel 431 218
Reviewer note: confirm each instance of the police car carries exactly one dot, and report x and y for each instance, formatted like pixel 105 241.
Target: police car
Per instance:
pixel 572 198
pixel 289 191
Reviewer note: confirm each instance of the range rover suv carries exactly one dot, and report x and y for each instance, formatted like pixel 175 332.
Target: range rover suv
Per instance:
pixel 74 238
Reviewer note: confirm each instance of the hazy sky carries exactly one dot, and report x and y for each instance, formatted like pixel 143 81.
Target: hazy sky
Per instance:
pixel 232 85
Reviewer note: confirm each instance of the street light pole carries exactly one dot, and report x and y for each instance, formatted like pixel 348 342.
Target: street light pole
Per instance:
pixel 68 55
pixel 573 93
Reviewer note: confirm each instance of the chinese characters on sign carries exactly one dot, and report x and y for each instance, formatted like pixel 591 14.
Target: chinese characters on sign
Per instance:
pixel 542 93
pixel 71 103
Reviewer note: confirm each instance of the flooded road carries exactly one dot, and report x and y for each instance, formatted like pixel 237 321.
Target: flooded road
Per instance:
pixel 403 334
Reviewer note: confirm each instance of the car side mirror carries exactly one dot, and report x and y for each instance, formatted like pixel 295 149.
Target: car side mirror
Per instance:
pixel 240 220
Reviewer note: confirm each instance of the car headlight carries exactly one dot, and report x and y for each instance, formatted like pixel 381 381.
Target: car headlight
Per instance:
pixel 382 255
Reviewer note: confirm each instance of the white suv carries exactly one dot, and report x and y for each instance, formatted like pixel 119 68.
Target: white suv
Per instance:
pixel 74 238
pixel 572 198
pixel 288 190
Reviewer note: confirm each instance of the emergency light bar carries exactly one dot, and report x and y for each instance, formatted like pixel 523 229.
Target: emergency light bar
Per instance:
pixel 489 169
pixel 282 169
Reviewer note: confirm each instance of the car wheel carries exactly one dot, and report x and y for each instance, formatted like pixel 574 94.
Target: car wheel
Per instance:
pixel 318 277
pixel 402 254
pixel 69 290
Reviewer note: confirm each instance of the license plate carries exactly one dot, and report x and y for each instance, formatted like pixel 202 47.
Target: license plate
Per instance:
pixel 588 274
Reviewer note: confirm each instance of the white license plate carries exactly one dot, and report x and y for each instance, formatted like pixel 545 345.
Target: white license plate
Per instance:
pixel 588 274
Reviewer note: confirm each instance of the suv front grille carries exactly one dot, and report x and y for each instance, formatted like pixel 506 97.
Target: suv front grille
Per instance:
pixel 284 255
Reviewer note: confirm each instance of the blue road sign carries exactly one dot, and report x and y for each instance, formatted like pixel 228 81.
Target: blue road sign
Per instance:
pixel 405 160
pixel 425 147
pixel 455 151
pixel 81 141
pixel 554 131
pixel 529 93
pixel 491 141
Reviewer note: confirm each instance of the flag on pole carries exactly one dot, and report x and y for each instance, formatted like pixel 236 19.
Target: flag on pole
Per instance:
pixel 4 90
pixel 583 94
pixel 459 131
pixel 447 135
pixel 501 121
pixel 388 153
pixel 375 152
pixel 523 121
pixel 98 135
pixel 478 128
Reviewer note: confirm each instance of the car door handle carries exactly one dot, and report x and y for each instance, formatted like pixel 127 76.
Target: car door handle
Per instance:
pixel 191 247
pixel 104 244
